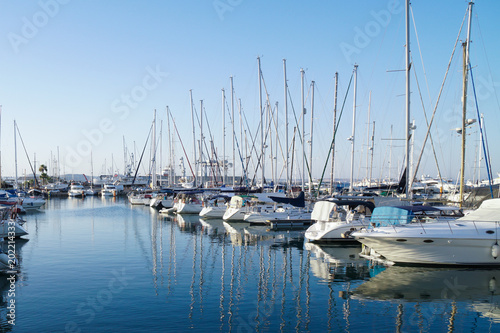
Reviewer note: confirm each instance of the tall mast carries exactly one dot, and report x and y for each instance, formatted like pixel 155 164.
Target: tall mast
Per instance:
pixel 241 137
pixel 171 177
pixel 202 168
pixel 303 127
pixel 232 128
pixel 334 127
pixel 124 157
pixel 371 159
pixel 351 179
pixel 368 137
pixel 15 153
pixel 261 122
pixel 288 184
pixel 311 139
pixel 194 137
pixel 464 102
pixel 276 180
pixel 153 148
pixel 407 117
pixel 0 146
pixel 224 170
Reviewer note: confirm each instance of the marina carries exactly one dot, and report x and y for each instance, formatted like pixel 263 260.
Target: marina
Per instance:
pixel 176 167
pixel 101 264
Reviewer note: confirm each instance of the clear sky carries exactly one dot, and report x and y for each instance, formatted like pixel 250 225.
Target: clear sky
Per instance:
pixel 87 75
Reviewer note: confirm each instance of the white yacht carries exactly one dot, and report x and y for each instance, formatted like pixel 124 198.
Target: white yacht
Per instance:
pixel 214 207
pixel 8 219
pixel 111 190
pixel 188 203
pixel 336 217
pixel 76 190
pixel 445 239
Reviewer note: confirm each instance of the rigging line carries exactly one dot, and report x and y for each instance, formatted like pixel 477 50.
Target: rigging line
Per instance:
pixel 250 133
pixel 212 168
pixel 183 149
pixel 439 96
pixel 243 166
pixel 427 123
pixel 487 157
pixel 213 149
pixel 486 55
pixel 26 152
pixel 300 136
pixel 421 58
pixel 143 150
pixel 244 170
pixel 335 132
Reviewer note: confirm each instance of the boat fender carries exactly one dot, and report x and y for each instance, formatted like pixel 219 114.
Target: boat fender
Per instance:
pixel 495 250
pixel 492 285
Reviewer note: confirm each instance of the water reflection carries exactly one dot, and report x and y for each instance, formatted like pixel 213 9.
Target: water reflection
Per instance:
pixel 338 262
pixel 442 288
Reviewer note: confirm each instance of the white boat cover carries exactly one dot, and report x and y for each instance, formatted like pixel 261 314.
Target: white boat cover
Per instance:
pixel 321 210
pixel 489 211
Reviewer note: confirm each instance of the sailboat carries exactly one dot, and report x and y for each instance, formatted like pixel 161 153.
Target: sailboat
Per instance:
pixel 471 240
pixel 91 191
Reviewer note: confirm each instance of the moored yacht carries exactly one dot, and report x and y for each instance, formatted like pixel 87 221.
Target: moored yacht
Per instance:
pixel 335 217
pixel 446 239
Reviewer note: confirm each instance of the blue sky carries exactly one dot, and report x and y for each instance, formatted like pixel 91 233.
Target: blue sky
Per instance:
pixel 67 68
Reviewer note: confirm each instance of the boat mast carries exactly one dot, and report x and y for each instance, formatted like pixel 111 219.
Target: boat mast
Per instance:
pixel 407 117
pixel 351 179
pixel 194 137
pixel 288 184
pixel 311 140
pixel 371 159
pixel 465 45
pixel 153 160
pixel 368 139
pixel 232 128
pixel 334 128
pixel 202 167
pixel 261 122
pixel 224 166
pixel 303 128
pixel 15 153
pixel 0 146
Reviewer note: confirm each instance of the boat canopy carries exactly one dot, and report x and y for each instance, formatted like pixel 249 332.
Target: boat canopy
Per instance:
pixel 299 201
pixel 489 211
pixel 384 216
pixel 323 208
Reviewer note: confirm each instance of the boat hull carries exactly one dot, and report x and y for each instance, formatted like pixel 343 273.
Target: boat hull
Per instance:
pixel 462 244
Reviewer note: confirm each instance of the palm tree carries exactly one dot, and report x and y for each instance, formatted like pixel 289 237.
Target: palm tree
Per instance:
pixel 43 170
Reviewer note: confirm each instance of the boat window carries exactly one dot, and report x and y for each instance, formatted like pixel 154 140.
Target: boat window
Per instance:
pixel 428 241
pixel 490 232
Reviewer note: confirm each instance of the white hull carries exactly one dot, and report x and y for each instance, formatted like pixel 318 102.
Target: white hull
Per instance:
pixel 212 212
pixel 234 214
pixel 18 229
pixel 188 208
pixel 139 201
pixel 437 246
pixel 30 203
pixel 263 217
pixel 332 231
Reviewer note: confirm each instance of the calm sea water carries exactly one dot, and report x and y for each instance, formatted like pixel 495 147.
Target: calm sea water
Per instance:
pixel 101 265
